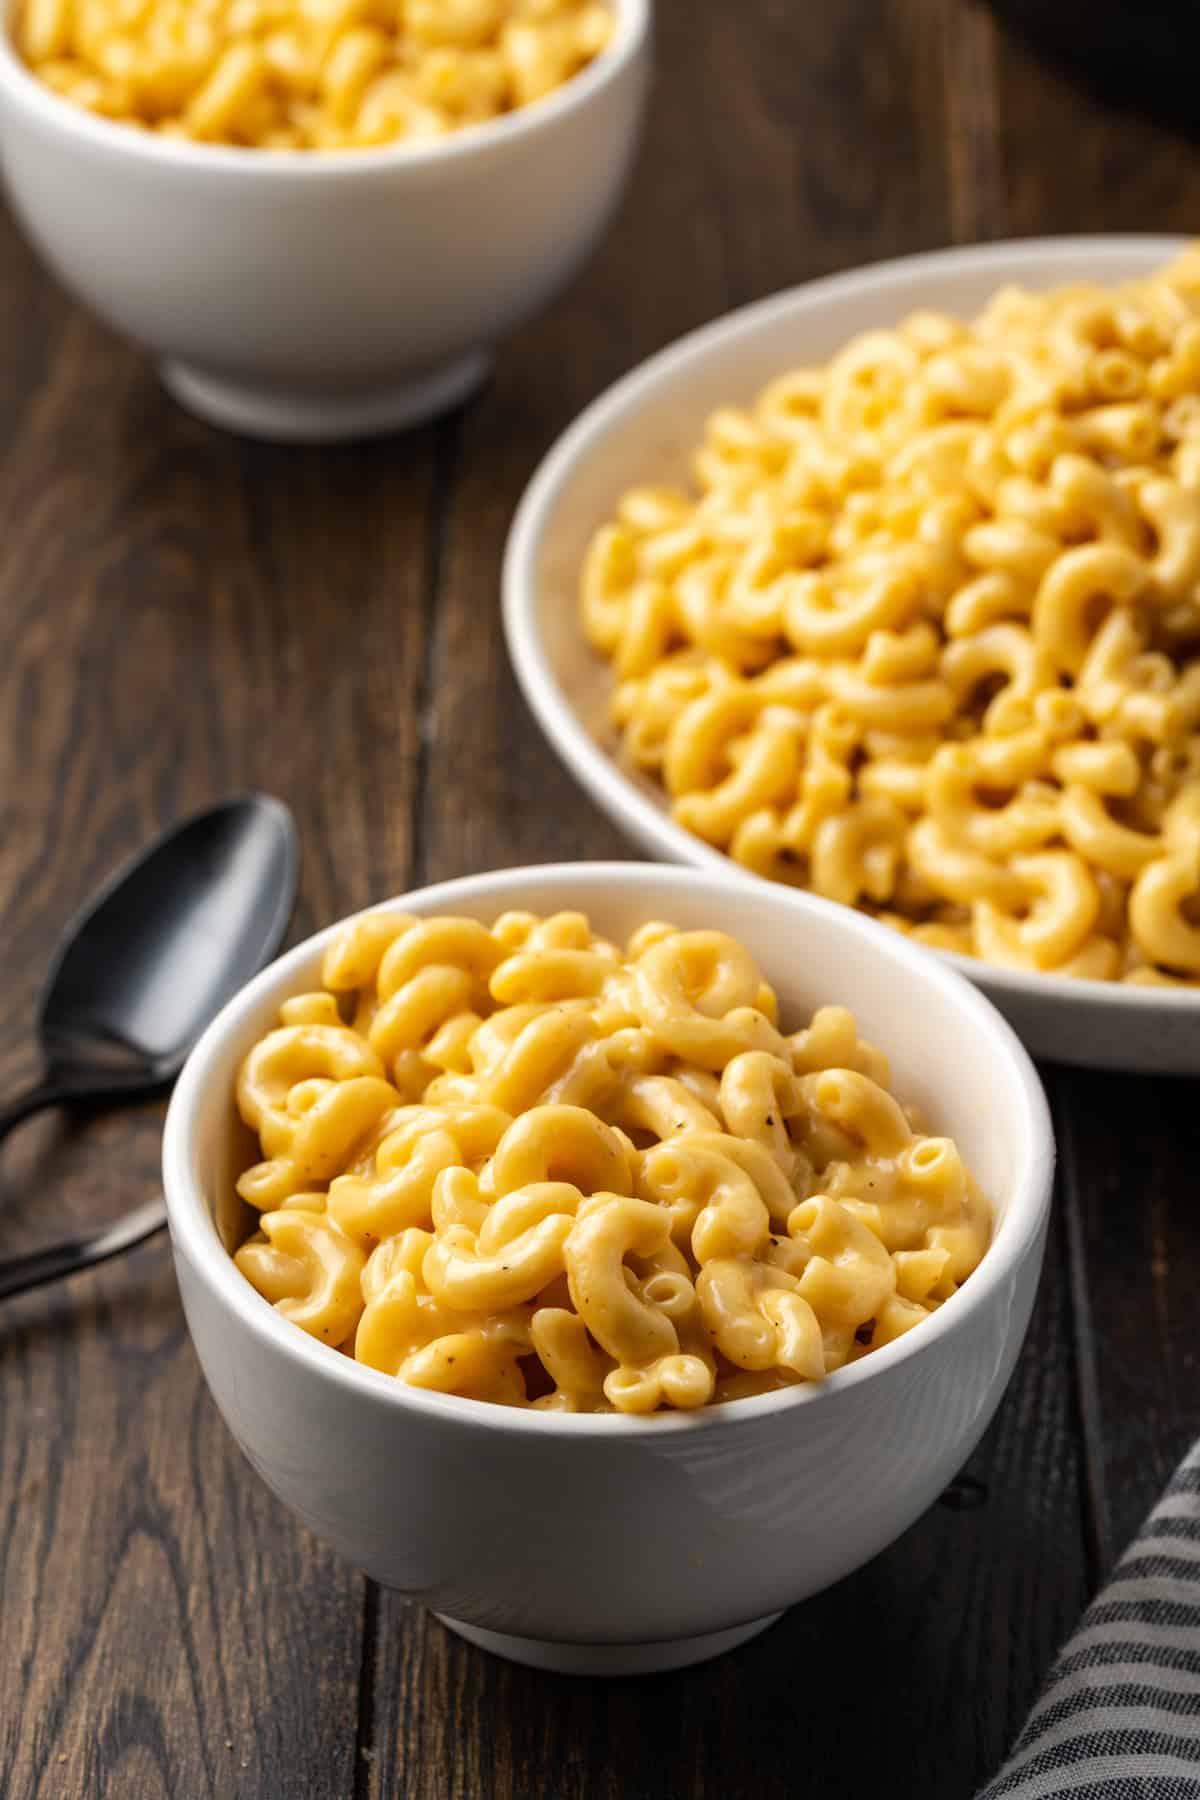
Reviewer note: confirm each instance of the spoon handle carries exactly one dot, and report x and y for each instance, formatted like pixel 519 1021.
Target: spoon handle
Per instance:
pixel 45 1091
pixel 22 1273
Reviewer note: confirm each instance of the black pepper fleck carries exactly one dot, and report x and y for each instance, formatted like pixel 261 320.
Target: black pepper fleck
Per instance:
pixel 865 1333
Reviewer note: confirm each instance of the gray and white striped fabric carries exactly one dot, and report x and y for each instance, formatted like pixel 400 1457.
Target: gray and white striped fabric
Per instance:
pixel 1119 1717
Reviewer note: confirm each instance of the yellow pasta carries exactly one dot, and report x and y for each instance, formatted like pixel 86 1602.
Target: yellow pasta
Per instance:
pixel 309 74
pixel 923 636
pixel 522 1164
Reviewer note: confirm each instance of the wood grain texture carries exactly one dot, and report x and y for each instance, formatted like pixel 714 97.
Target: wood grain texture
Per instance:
pixel 182 615
pixel 1130 1147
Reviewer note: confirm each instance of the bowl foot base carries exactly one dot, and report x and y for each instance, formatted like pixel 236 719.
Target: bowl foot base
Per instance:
pixel 285 415
pixel 608 1659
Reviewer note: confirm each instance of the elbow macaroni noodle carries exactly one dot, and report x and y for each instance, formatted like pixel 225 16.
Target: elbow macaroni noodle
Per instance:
pixel 309 74
pixel 925 637
pixel 520 1164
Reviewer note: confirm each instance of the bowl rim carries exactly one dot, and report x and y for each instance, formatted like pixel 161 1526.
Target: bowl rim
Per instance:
pixel 194 1234
pixel 602 775
pixel 21 85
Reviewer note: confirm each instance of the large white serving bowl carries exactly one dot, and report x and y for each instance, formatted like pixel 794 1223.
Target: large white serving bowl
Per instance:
pixel 643 429
pixel 308 295
pixel 601 1543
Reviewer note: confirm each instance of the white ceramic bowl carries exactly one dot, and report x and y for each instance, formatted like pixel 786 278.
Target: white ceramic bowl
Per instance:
pixel 643 430
pixel 302 295
pixel 605 1544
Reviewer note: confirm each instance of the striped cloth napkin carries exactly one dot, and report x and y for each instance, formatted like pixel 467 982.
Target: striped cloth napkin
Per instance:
pixel 1119 1717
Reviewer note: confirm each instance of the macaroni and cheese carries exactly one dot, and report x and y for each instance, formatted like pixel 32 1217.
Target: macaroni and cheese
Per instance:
pixel 924 636
pixel 309 74
pixel 522 1164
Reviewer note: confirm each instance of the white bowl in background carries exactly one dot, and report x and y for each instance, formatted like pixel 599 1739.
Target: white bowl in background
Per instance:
pixel 643 429
pixel 312 295
pixel 600 1543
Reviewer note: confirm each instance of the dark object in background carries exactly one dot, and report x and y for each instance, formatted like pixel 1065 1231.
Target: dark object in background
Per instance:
pixel 1146 52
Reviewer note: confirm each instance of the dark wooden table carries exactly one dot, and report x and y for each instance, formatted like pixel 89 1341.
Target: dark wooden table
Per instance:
pixel 181 615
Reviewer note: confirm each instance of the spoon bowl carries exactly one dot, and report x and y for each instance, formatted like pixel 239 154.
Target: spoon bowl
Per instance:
pixel 140 973
pixel 171 936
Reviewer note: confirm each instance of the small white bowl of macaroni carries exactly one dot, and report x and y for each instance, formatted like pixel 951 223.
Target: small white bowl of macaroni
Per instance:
pixel 889 588
pixel 608 1255
pixel 319 220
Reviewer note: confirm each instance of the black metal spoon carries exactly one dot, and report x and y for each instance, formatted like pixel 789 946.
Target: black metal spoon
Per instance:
pixel 141 972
